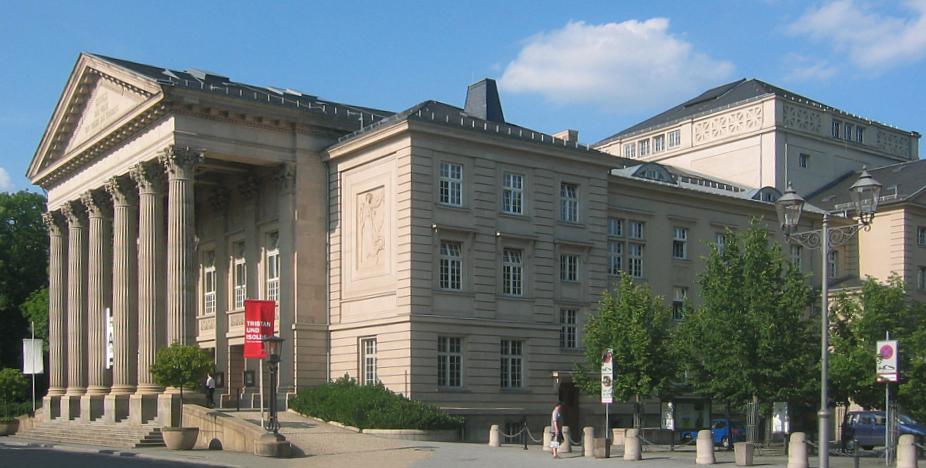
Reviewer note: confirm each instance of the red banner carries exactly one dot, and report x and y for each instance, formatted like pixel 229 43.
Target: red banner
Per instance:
pixel 258 324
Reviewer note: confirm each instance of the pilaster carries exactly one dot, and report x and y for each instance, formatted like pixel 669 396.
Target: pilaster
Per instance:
pixel 218 201
pixel 285 179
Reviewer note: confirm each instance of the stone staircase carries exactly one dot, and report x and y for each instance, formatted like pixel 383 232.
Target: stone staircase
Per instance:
pixel 119 435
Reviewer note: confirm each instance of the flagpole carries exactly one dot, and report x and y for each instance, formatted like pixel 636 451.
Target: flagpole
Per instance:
pixel 32 326
pixel 261 380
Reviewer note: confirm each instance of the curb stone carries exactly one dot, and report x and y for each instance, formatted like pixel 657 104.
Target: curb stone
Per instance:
pixel 111 452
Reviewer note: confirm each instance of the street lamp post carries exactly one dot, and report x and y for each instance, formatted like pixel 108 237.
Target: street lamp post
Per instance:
pixel 865 194
pixel 272 345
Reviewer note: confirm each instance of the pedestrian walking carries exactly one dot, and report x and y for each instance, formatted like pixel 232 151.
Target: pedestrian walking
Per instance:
pixel 210 389
pixel 556 428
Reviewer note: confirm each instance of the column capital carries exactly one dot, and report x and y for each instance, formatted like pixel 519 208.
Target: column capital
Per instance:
pixel 248 189
pixel 149 177
pixel 55 223
pixel 218 198
pixel 122 191
pixel 180 161
pixel 75 213
pixel 98 205
pixel 285 177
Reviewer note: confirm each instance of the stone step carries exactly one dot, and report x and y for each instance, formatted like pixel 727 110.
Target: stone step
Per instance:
pixel 121 435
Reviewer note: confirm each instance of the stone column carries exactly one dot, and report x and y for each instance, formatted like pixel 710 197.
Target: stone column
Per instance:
pixel 249 193
pixel 99 284
pixel 125 298
pixel 151 250
pixel 181 229
pixel 286 181
pixel 77 309
pixel 218 200
pixel 57 312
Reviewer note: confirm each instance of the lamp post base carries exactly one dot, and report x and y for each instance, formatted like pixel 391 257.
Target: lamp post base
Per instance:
pixel 272 445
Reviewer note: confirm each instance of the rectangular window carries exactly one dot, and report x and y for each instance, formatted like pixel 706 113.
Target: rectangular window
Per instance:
pixel 636 229
pixel 679 296
pixel 921 236
pixel 804 160
pixel 451 184
pixel 449 362
pixel 680 242
pixel 511 362
pixel 567 329
pixel 569 202
pixel 273 266
pixel 921 278
pixel 675 138
pixel 635 260
pixel 630 150
pixel 615 227
pixel 836 128
pixel 513 193
pixel 451 265
pixel 512 273
pixel 569 268
pixel 368 361
pixel 209 282
pixel 849 130
pixel 240 276
pixel 832 262
pixel 643 146
pixel 615 257
pixel 859 134
pixel 796 257
pixel 720 241
pixel 659 143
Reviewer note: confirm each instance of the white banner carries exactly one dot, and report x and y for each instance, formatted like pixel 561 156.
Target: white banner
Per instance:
pixel 32 357
pixel 607 377
pixel 887 361
pixel 109 338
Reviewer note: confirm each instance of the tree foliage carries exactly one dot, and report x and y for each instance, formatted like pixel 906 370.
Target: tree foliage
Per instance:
pixel 181 366
pixel 751 337
pixel 13 386
pixel 635 323
pixel 859 321
pixel 23 265
pixel 35 310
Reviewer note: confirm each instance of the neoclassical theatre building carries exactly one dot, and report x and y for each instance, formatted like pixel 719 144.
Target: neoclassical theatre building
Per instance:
pixel 443 251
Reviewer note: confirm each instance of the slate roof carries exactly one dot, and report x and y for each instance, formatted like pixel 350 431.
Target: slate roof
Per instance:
pixel 215 83
pixel 723 96
pixel 899 183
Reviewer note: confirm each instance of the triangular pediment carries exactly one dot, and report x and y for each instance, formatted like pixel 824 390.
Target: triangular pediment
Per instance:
pixel 100 97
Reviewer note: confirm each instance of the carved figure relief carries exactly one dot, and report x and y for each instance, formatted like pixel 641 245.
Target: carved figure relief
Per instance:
pixel 371 241
pixel 802 118
pixel 729 124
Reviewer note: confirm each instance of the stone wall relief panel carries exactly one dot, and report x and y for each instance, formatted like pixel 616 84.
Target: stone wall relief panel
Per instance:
pixel 893 143
pixel 729 124
pixel 109 100
pixel 802 118
pixel 369 236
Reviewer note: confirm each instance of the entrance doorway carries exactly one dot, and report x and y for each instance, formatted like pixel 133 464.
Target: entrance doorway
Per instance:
pixel 569 395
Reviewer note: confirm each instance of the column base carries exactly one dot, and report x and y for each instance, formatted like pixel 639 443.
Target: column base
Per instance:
pixel 143 408
pixel 52 407
pixel 115 408
pixel 91 407
pixel 70 407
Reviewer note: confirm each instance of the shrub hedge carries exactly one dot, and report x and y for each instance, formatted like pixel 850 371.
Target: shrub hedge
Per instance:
pixel 369 407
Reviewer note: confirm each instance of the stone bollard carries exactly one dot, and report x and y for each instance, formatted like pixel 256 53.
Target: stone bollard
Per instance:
pixel 632 449
pixel 617 436
pixel 547 437
pixel 906 452
pixel 588 441
pixel 705 448
pixel 566 446
pixel 494 440
pixel 797 450
pixel 743 453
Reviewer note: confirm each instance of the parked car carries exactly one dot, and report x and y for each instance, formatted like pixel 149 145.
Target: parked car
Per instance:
pixel 723 432
pixel 866 428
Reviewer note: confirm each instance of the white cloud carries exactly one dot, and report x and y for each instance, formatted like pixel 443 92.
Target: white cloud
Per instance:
pixel 868 39
pixel 6 184
pixel 622 66
pixel 809 69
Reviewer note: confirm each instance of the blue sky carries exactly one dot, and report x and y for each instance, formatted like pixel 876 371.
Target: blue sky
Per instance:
pixel 597 67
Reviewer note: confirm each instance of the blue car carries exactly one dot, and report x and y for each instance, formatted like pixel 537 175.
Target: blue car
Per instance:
pixel 866 428
pixel 723 433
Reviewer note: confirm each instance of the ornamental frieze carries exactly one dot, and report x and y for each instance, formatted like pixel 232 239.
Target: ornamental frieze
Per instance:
pixel 729 124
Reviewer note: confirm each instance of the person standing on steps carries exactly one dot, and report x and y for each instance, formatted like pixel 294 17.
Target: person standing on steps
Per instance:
pixel 210 390
pixel 556 428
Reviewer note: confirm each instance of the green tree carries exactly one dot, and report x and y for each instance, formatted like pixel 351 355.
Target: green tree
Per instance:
pixel 13 386
pixel 23 266
pixel 181 366
pixel 635 324
pixel 35 310
pixel 860 320
pixel 750 339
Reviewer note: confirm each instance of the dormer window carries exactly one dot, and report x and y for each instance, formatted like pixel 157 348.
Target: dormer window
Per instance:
pixel 655 172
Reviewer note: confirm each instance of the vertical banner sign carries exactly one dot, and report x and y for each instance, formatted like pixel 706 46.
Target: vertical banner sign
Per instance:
pixel 110 354
pixel 258 324
pixel 887 361
pixel 607 377
pixel 32 356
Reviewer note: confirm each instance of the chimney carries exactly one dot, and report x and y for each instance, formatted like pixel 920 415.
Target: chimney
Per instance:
pixel 482 101
pixel 571 136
